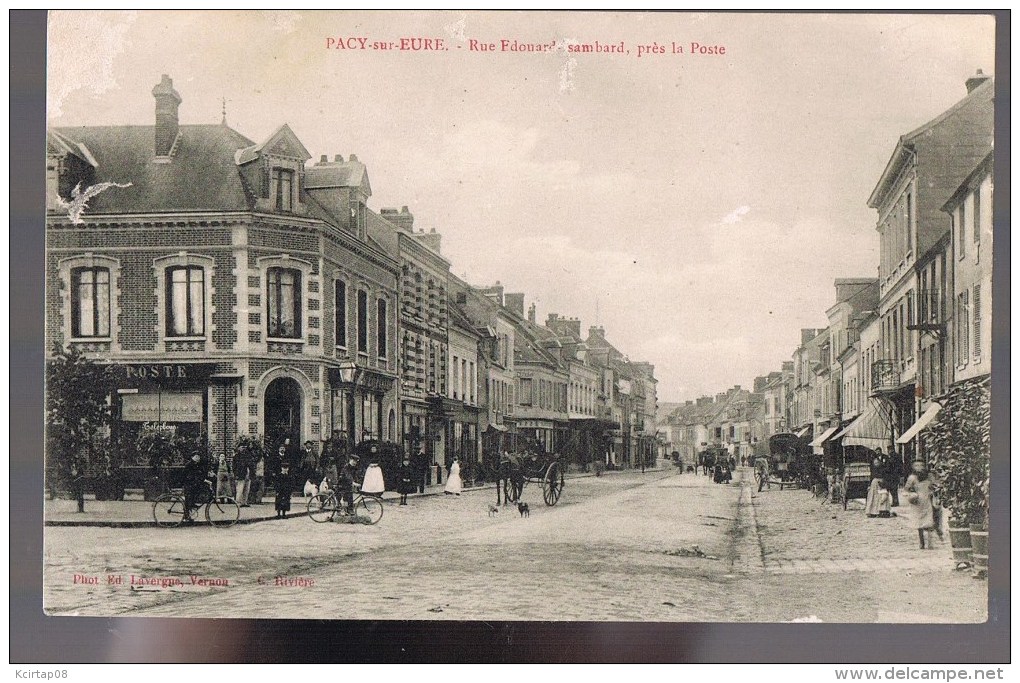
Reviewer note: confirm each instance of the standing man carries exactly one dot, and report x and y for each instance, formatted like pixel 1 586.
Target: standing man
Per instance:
pixel 418 467
pixel 891 472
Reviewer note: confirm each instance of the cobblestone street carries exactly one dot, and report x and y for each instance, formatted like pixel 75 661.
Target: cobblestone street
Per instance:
pixel 626 546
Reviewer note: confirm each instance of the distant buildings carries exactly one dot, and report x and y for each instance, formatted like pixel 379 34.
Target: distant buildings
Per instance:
pixel 897 343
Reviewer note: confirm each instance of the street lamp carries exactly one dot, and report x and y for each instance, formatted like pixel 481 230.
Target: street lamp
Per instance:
pixel 349 372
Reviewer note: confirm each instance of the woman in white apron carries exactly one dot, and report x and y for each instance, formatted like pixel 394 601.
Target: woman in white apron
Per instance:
pixel 453 483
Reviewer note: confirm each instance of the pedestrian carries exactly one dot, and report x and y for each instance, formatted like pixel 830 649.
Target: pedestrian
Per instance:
pixel 195 489
pixel 891 474
pixel 224 478
pixel 418 467
pixel 373 484
pixel 405 478
pixel 345 482
pixel 919 494
pixel 309 463
pixel 242 472
pixel 258 482
pixel 284 488
pixel 877 502
pixel 453 483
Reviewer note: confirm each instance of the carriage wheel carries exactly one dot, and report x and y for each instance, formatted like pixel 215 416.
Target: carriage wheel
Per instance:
pixel 552 484
pixel 511 491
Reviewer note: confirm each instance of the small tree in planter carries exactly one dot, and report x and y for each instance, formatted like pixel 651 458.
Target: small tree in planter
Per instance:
pixel 959 447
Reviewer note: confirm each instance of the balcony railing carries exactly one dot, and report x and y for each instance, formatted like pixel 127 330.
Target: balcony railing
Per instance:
pixel 885 375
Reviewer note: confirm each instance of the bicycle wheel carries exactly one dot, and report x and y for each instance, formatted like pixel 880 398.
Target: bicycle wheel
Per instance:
pixel 368 510
pixel 222 512
pixel 323 507
pixel 168 510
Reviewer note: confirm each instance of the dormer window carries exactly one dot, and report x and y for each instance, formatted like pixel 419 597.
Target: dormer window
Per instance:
pixel 283 182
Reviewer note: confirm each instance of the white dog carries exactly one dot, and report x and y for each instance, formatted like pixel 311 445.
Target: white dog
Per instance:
pixel 324 487
pixel 311 489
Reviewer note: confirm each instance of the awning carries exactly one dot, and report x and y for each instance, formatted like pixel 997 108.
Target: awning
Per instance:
pixel 497 427
pixel 823 437
pixel 870 429
pixel 921 423
pixel 801 432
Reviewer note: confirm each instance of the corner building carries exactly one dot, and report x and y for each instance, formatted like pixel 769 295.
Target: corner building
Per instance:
pixel 235 290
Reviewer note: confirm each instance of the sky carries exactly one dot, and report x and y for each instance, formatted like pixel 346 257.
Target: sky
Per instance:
pixel 697 206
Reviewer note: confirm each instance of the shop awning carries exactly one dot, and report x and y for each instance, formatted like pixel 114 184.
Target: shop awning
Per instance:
pixel 497 427
pixel 870 429
pixel 801 432
pixel 921 423
pixel 823 437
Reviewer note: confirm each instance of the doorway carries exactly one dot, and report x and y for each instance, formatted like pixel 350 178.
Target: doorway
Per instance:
pixel 283 412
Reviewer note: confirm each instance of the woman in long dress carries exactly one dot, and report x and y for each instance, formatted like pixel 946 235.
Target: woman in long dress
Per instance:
pixel 918 488
pixel 453 483
pixel 878 501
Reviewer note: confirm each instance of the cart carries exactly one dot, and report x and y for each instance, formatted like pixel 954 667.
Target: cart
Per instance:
pixel 856 481
pixel 518 469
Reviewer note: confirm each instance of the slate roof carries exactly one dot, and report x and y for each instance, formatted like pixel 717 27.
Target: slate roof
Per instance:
pixel 201 176
pixel 338 174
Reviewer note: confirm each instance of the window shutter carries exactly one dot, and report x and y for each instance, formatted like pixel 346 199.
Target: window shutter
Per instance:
pixel 977 321
pixel 264 182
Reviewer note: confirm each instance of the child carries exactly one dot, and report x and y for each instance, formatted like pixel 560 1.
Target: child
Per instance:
pixel 284 487
pixel 406 479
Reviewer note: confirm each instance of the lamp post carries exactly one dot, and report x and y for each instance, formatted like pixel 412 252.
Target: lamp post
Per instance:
pixel 349 372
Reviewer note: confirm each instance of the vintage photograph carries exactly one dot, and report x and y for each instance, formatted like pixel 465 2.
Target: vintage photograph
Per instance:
pixel 519 316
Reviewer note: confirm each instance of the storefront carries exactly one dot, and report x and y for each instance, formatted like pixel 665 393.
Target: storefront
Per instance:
pixel 176 399
pixel 357 400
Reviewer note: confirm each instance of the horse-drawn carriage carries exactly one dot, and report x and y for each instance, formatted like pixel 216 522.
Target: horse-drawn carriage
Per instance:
pixel 790 461
pixel 516 470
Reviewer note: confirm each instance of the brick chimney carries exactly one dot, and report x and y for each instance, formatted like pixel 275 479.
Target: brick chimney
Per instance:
pixel 403 219
pixel 494 293
pixel 976 80
pixel 531 314
pixel 167 128
pixel 515 302
pixel 431 239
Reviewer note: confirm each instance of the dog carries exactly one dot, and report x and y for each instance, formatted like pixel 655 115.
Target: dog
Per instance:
pixel 493 510
pixel 311 490
pixel 524 509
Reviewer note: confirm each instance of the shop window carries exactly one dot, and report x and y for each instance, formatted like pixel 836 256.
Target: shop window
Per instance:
pixel 284 303
pixel 185 301
pixel 90 302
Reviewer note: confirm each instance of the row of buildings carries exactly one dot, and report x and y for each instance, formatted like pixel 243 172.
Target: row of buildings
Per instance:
pixel 895 343
pixel 237 289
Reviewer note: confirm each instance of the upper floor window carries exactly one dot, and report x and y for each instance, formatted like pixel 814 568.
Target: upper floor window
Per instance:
pixel 185 301
pixel 90 302
pixel 340 313
pixel 283 181
pixel 284 302
pixel 362 321
pixel 962 241
pixel 977 214
pixel 381 323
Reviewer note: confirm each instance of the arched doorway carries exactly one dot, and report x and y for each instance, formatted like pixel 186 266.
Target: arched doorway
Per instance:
pixel 283 411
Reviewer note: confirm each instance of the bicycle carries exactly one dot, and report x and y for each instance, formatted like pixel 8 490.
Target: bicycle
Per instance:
pixel 220 511
pixel 365 509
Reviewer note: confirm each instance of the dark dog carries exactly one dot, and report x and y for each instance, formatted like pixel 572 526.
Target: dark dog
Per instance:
pixel 524 509
pixel 493 510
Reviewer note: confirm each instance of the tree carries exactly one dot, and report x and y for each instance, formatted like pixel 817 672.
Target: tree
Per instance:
pixel 77 417
pixel 959 448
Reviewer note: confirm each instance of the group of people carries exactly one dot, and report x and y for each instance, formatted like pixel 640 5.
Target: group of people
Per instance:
pixel 883 495
pixel 292 469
